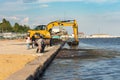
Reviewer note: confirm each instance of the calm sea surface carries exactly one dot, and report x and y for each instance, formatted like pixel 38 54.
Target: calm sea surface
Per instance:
pixel 98 59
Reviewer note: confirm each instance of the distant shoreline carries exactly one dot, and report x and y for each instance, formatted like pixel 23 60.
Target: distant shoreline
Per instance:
pixel 99 37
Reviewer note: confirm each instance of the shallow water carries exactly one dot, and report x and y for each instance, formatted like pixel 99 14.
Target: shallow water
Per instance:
pixel 93 59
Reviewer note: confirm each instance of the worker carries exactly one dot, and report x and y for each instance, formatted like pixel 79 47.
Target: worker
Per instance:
pixel 41 45
pixel 28 41
pixel 33 41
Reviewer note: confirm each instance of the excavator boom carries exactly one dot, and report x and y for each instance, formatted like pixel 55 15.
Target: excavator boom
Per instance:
pixel 66 23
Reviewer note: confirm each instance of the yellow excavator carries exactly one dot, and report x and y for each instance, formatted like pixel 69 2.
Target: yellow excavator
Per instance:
pixel 45 30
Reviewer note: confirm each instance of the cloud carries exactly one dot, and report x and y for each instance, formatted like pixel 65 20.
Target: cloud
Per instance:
pixel 100 1
pixel 93 1
pixel 29 1
pixel 13 18
pixel 49 1
pixel 9 17
pixel 43 5
pixel 100 23
pixel 25 20
pixel 13 6
pixel 21 19
pixel 20 5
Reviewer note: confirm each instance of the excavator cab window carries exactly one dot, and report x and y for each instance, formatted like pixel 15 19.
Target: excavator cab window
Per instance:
pixel 40 27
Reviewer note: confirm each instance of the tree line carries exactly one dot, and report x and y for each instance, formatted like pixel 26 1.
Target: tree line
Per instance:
pixel 5 26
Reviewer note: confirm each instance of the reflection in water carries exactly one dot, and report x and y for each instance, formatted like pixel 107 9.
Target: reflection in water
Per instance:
pixel 88 62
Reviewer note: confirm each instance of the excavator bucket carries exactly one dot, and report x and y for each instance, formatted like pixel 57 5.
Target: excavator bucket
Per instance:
pixel 73 43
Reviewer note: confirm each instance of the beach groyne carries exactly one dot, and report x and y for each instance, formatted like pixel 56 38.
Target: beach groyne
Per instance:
pixel 34 70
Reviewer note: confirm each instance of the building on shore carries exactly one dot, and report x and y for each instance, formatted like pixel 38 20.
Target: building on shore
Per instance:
pixel 100 35
pixel 11 35
pixel 81 34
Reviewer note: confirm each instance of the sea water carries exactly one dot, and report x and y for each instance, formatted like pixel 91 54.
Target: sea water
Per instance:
pixel 101 61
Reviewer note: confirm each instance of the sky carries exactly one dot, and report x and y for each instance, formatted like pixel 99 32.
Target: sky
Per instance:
pixel 92 16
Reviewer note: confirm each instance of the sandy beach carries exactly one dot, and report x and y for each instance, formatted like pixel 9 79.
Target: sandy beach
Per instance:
pixel 13 56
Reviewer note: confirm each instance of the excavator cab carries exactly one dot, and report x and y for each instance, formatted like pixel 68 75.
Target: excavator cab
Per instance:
pixel 40 27
pixel 39 30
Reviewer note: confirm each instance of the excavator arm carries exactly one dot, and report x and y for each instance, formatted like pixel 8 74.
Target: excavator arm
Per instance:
pixel 66 23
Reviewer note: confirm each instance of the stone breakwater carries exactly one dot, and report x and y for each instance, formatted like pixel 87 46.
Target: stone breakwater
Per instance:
pixel 34 64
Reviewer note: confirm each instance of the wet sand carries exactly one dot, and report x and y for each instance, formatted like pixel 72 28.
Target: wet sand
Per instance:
pixel 14 56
